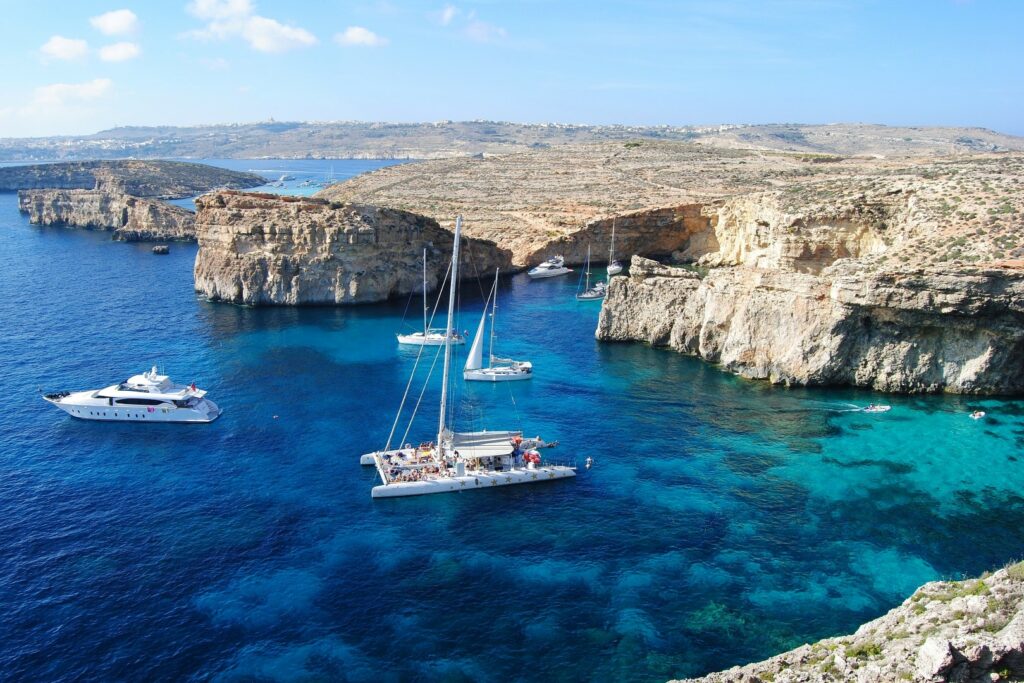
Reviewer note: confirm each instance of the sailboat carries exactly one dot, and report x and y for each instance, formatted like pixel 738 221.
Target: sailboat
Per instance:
pixel 589 293
pixel 429 337
pixel 458 461
pixel 498 369
pixel 614 267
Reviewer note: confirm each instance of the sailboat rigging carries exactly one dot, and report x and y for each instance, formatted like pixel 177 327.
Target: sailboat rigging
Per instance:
pixel 429 336
pixel 498 369
pixel 455 461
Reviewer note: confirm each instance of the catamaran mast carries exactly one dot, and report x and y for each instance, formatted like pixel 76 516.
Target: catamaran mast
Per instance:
pixel 448 338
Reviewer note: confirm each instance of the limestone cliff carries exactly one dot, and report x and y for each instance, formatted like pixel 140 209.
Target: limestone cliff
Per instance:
pixel 130 218
pixel 966 631
pixel 269 249
pixel 165 179
pixel 909 330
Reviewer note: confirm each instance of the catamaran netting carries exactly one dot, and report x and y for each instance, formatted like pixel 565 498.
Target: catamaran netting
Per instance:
pixel 484 444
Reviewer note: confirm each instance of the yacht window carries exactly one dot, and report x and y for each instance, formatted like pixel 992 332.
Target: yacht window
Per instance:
pixel 139 402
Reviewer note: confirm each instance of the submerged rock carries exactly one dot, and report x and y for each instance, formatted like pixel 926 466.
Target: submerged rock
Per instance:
pixel 969 631
pixel 130 218
pixel 271 249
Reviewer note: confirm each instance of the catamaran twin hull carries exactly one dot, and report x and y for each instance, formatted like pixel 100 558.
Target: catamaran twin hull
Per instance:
pixel 472 481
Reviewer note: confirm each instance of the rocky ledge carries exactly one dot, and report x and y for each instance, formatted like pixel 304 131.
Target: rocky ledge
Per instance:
pixel 130 218
pixel 166 179
pixel 261 249
pixel 966 631
pixel 910 330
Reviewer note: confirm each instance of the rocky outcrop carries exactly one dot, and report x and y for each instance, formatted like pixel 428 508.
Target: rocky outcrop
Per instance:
pixel 130 218
pixel 966 631
pixel 166 179
pixel 912 330
pixel 268 249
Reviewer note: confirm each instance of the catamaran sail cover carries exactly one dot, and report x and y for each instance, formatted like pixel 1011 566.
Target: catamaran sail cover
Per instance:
pixel 483 444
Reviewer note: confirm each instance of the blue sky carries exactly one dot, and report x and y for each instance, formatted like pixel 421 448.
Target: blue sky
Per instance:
pixel 79 67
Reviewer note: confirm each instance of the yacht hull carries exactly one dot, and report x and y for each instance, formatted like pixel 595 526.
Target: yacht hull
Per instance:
pixel 84 408
pixel 470 482
pixel 554 272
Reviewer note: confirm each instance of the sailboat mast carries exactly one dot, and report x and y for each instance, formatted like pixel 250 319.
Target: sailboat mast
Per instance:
pixel 425 293
pixel 588 268
pixel 494 314
pixel 448 336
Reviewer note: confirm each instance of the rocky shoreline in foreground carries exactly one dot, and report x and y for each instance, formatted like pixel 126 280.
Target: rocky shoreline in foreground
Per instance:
pixel 969 631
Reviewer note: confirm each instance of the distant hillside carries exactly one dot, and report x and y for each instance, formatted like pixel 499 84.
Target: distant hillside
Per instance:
pixel 138 178
pixel 447 139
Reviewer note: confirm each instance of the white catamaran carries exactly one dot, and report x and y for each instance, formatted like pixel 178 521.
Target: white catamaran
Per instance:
pixel 429 337
pixel 458 461
pixel 498 369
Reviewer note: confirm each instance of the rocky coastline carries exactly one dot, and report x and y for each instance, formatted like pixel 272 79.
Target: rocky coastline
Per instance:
pixel 969 631
pixel 156 179
pixel 913 330
pixel 263 249
pixel 131 219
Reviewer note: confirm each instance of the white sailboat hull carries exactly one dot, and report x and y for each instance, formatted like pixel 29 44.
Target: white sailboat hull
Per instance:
pixel 500 373
pixel 615 268
pixel 432 339
pixel 470 482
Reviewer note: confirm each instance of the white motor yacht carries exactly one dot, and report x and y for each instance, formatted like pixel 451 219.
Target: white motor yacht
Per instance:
pixel 553 267
pixel 149 397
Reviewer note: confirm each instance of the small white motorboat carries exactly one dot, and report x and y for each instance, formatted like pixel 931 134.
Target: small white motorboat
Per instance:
pixel 553 267
pixel 977 414
pixel 872 408
pixel 149 397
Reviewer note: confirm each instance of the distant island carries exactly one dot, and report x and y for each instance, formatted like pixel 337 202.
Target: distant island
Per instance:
pixel 443 139
pixel 121 196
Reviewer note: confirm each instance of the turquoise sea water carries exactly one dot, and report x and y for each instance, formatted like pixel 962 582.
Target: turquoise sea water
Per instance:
pixel 724 520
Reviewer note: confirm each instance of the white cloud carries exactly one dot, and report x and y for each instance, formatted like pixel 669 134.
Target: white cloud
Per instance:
pixel 215 64
pixel 119 52
pixel 115 23
pixel 234 18
pixel 59 94
pixel 484 32
pixel 448 13
pixel 59 47
pixel 359 36
pixel 269 35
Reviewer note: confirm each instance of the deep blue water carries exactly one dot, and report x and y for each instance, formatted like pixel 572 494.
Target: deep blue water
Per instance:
pixel 724 521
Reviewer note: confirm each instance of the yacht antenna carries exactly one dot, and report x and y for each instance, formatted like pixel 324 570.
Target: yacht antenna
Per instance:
pixel 447 338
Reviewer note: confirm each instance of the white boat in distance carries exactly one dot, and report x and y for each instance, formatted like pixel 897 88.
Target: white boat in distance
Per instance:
pixel 429 336
pixel 457 461
pixel 595 293
pixel 498 369
pixel 614 266
pixel 149 397
pixel 553 267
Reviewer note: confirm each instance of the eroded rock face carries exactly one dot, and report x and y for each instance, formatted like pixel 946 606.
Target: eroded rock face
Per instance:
pixel 268 249
pixel 922 330
pixel 969 631
pixel 130 218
